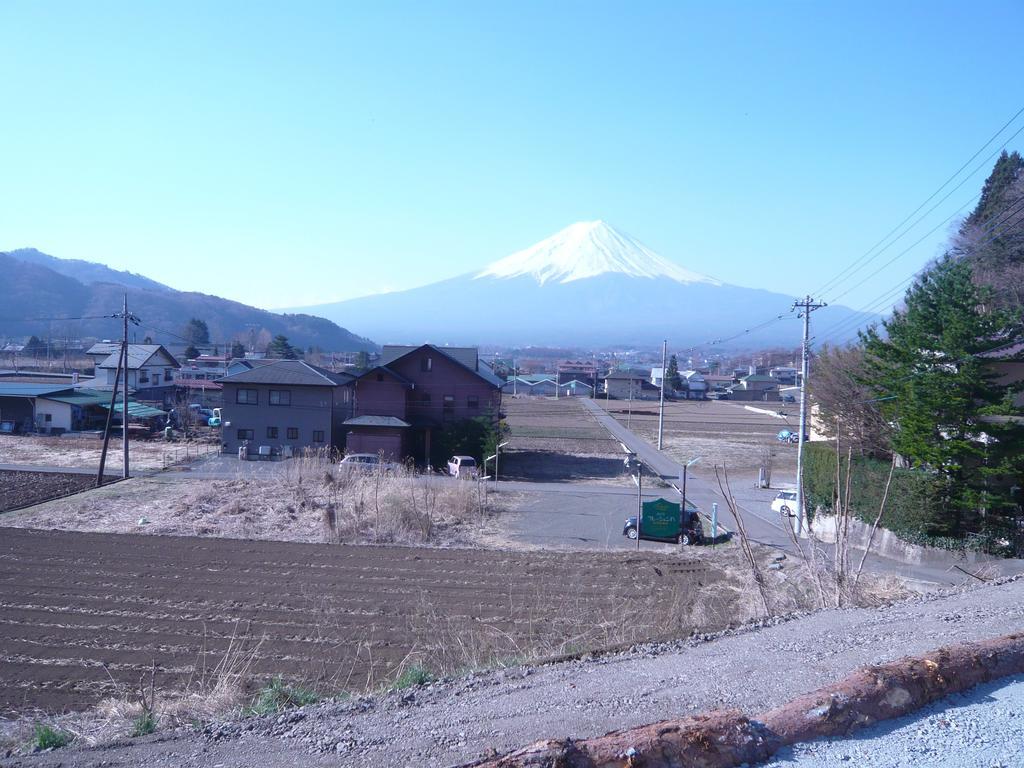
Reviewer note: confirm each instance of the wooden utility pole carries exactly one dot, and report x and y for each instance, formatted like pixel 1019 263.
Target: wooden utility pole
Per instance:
pixel 807 305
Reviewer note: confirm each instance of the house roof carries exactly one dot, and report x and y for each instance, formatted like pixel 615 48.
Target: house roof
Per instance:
pixel 389 371
pixel 758 377
pixel 138 410
pixel 467 356
pixel 81 397
pixel 459 355
pixel 376 421
pixel 103 348
pixel 625 375
pixel 21 389
pixel 138 356
pixel 291 372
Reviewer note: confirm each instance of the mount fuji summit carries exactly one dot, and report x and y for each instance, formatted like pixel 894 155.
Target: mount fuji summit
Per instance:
pixel 587 285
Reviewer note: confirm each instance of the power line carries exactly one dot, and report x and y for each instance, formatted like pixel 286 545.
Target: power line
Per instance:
pixel 854 265
pixel 994 229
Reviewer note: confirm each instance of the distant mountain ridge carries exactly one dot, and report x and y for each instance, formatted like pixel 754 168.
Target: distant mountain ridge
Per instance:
pixel 40 290
pixel 87 272
pixel 588 285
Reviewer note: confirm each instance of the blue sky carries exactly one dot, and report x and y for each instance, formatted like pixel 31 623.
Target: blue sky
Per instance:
pixel 284 154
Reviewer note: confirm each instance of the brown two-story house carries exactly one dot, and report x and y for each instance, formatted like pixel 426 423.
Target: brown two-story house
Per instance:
pixel 414 393
pixel 286 404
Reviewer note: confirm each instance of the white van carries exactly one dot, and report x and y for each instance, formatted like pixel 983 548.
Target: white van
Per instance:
pixel 462 467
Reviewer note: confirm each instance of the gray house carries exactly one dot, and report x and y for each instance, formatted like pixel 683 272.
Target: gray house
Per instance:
pixel 286 404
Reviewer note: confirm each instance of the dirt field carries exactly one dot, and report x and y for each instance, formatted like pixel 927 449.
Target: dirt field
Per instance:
pixel 722 433
pixel 85 615
pixel 557 440
pixel 85 452
pixel 20 488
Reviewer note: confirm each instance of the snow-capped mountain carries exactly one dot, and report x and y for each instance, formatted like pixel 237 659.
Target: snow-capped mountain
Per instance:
pixel 587 285
pixel 588 249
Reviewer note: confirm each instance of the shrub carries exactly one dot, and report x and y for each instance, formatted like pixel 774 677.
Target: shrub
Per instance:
pixel 144 724
pixel 45 737
pixel 279 695
pixel 914 509
pixel 412 676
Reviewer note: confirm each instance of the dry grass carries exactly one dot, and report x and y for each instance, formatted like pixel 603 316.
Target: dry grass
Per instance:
pixel 312 500
pixel 82 452
pixel 220 687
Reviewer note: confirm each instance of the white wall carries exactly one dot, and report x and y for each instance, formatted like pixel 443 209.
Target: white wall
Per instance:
pixel 60 415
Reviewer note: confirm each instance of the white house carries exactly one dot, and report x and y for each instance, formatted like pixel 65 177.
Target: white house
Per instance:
pixel 657 374
pixel 149 366
pixel 694 385
pixel 624 385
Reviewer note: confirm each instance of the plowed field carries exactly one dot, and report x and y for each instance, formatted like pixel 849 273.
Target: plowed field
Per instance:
pixel 85 614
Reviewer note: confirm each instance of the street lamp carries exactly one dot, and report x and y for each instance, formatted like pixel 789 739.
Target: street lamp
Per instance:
pixel 686 466
pixel 632 461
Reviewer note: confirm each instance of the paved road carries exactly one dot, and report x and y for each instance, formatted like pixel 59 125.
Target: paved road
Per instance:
pixel 762 524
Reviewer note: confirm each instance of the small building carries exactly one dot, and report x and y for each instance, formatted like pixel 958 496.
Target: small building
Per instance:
pixel 784 375
pixel 534 384
pixel 625 385
pixel 286 404
pixel 575 388
pixel 576 370
pixel 657 374
pixel 151 370
pixel 695 387
pixel 53 409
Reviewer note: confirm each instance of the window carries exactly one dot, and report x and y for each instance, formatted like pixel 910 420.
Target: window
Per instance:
pixel 49 416
pixel 473 401
pixel 272 433
pixel 167 374
pixel 449 406
pixel 426 364
pixel 318 435
pixel 280 397
pixel 247 397
pixel 143 376
pixel 293 433
pixel 245 434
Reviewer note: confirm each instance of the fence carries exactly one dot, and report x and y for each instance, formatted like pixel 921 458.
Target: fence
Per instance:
pixel 183 454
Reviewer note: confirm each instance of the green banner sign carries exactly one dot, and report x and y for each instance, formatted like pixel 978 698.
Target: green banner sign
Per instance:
pixel 661 519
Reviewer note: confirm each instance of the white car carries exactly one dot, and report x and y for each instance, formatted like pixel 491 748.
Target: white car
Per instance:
pixel 462 467
pixel 364 462
pixel 785 504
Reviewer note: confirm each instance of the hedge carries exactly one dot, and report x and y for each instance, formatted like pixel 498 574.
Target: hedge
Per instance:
pixel 915 507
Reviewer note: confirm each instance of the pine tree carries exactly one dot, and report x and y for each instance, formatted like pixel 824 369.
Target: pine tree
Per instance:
pixel 672 377
pixel 196 332
pixel 280 347
pixel 237 349
pixel 935 389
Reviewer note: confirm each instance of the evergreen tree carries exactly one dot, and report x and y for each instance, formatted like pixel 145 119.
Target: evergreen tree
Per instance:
pixel 237 349
pixel 197 332
pixel 672 378
pixel 280 347
pixel 191 353
pixel 935 389
pixel 362 360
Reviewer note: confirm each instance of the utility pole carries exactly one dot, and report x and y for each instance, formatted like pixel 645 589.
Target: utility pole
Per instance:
pixel 807 305
pixel 661 408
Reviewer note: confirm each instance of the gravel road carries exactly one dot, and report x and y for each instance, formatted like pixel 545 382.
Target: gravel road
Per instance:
pixel 980 728
pixel 456 721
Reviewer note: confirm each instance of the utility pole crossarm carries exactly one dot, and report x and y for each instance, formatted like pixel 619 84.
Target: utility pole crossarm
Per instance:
pixel 806 306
